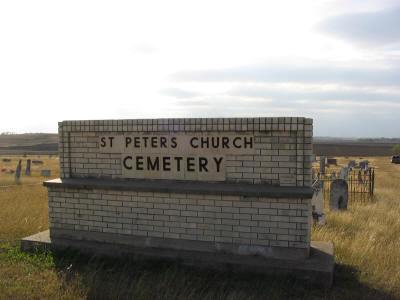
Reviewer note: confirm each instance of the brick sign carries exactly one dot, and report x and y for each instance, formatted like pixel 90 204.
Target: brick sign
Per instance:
pixel 176 156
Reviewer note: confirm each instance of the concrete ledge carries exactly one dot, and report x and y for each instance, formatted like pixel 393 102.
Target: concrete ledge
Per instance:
pixel 138 241
pixel 175 186
pixel 317 268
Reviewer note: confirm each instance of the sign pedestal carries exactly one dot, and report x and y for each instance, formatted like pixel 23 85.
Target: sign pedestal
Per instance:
pixel 227 190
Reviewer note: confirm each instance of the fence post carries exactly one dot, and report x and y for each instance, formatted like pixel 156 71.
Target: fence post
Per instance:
pixel 373 181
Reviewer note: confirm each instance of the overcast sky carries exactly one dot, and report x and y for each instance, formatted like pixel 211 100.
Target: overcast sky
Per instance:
pixel 336 61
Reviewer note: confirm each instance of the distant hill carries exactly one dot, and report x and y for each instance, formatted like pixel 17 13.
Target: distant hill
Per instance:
pixel 29 143
pixel 354 146
pixel 27 139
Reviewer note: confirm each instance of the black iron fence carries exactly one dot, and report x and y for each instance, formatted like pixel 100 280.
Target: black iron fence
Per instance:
pixel 361 183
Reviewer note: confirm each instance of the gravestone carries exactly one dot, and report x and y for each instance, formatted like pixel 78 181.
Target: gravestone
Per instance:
pixel 28 168
pixel 344 173
pixel 363 165
pixel 218 190
pixel 338 197
pixel 331 161
pixel 18 171
pixel 351 164
pixel 45 173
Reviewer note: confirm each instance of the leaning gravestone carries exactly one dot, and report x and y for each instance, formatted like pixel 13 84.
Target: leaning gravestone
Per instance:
pixel 28 168
pixel 221 191
pixel 338 197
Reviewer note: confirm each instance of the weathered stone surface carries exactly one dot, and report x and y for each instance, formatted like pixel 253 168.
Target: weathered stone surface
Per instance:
pixel 338 194
pixel 165 186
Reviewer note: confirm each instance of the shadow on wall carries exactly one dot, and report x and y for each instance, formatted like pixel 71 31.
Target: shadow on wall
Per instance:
pixel 137 278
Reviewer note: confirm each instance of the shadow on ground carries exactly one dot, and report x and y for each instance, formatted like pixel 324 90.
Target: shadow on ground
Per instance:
pixel 138 278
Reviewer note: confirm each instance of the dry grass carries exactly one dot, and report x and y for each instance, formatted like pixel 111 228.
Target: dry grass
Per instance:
pixel 366 238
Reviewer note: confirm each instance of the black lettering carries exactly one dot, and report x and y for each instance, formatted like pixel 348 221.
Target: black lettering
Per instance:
pixel 234 142
pixel 139 163
pixel 225 142
pixel 136 142
pixel 190 165
pixel 163 142
pixel 173 142
pixel 203 164
pixel 167 163
pixel 111 140
pixel 192 144
pixel 218 163
pixel 154 142
pixel 128 140
pixel 103 142
pixel 250 143
pixel 215 142
pixel 205 141
pixel 153 165
pixel 178 162
pixel 145 138
pixel 125 162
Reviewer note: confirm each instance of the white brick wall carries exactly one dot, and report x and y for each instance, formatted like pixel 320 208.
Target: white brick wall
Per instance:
pixel 260 221
pixel 282 156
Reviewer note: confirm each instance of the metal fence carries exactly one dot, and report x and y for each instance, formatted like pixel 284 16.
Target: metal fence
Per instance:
pixel 361 184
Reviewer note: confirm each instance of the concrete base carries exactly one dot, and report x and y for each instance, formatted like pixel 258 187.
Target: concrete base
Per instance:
pixel 318 268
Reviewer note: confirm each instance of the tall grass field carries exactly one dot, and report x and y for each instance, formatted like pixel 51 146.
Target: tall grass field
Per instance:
pixel 366 239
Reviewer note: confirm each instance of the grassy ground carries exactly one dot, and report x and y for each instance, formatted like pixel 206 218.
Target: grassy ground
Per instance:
pixel 366 238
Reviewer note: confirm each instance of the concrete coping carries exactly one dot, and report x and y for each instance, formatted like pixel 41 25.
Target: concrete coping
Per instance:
pixel 190 187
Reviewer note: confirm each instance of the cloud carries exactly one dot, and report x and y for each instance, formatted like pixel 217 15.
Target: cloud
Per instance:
pixel 298 73
pixel 178 93
pixel 367 28
pixel 345 119
pixel 144 48
pixel 332 94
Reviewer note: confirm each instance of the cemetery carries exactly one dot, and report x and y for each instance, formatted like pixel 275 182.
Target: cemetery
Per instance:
pixel 324 218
